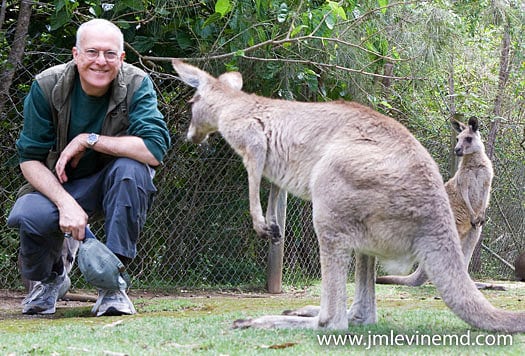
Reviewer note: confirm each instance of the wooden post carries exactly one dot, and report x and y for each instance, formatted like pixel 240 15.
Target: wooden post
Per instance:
pixel 276 212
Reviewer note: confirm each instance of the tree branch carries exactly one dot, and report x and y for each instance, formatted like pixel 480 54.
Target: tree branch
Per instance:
pixel 281 42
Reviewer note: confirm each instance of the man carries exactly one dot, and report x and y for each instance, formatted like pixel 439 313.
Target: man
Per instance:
pixel 92 131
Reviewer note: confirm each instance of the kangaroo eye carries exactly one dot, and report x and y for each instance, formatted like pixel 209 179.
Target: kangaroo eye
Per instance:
pixel 469 139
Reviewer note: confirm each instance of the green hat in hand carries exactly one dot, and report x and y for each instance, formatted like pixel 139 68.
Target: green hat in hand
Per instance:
pixel 99 266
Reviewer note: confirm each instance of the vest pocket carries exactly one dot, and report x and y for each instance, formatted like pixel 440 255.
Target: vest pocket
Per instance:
pixel 51 159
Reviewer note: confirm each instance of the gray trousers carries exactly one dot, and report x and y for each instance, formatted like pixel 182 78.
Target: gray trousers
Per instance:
pixel 122 193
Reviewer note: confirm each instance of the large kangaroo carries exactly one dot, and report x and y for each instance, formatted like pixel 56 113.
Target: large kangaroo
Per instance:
pixel 468 192
pixel 374 189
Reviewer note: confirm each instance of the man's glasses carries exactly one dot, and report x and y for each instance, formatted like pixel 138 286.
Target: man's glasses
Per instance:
pixel 92 54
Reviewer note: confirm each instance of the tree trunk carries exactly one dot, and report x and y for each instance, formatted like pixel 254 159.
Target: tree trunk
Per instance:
pixel 504 68
pixel 388 71
pixel 452 158
pixel 277 199
pixel 17 51
pixel 386 82
pixel 2 13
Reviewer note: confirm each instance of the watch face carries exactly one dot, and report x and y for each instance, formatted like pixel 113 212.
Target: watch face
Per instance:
pixel 92 139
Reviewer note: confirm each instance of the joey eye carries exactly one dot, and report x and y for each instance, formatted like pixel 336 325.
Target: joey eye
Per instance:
pixel 469 139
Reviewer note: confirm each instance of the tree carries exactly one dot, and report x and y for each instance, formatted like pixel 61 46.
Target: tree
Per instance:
pixel 17 51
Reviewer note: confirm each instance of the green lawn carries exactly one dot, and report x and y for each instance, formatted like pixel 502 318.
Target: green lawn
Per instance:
pixel 201 324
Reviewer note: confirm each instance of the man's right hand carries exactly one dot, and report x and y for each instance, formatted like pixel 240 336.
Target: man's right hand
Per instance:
pixel 72 218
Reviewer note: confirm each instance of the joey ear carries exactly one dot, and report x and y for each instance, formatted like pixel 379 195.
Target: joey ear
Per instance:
pixel 473 123
pixel 232 79
pixel 189 74
pixel 457 126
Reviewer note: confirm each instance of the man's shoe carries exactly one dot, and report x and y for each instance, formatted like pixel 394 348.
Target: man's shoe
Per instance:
pixel 43 296
pixel 113 302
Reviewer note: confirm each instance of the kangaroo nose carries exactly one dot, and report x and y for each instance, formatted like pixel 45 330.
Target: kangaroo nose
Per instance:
pixel 458 151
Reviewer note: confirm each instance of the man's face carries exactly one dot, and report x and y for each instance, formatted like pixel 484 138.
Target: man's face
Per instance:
pixel 96 74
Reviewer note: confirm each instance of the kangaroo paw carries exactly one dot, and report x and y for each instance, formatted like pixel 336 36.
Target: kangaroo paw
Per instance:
pixel 275 234
pixel 270 232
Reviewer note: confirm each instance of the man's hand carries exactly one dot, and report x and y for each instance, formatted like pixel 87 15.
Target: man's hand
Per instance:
pixel 71 154
pixel 72 218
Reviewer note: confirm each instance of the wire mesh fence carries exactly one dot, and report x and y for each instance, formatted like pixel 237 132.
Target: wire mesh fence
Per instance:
pixel 199 234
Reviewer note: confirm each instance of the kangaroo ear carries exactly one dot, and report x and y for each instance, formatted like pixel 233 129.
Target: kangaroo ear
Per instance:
pixel 189 74
pixel 457 126
pixel 473 123
pixel 232 79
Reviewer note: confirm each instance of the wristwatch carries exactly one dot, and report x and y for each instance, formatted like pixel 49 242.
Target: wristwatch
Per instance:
pixel 92 139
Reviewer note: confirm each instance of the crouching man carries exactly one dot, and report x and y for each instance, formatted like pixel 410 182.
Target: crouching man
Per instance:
pixel 92 133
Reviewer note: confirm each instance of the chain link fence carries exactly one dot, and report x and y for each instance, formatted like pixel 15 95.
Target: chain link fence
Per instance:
pixel 199 233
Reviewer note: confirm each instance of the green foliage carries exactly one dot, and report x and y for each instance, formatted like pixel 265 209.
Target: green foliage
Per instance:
pixel 223 7
pixel 63 13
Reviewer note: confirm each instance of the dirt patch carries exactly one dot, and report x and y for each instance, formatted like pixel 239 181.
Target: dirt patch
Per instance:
pixel 11 300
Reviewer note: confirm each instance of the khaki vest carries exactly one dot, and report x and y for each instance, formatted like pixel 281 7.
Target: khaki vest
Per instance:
pixel 57 83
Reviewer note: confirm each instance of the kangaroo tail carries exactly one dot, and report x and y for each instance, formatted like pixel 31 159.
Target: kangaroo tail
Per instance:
pixel 444 264
pixel 415 279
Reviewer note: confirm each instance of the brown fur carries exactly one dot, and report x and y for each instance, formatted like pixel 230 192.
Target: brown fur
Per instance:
pixel 374 190
pixel 469 194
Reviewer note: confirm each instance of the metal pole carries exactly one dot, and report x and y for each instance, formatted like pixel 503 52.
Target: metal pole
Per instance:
pixel 276 212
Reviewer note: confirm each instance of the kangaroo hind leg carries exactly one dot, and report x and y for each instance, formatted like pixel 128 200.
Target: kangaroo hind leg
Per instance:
pixel 364 307
pixel 335 249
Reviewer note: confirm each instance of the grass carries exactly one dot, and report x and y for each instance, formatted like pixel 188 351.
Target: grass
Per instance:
pixel 202 325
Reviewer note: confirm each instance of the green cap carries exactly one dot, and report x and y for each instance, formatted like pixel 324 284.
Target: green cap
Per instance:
pixel 99 266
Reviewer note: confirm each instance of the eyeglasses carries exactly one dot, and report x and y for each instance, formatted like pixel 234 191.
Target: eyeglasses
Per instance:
pixel 92 54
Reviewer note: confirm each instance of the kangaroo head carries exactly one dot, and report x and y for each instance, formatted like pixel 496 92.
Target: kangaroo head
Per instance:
pixel 208 98
pixel 469 138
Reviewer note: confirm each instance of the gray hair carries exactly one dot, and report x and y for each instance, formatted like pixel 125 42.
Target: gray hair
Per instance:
pixel 100 24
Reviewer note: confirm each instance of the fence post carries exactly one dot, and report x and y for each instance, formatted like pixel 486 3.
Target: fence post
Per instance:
pixel 276 211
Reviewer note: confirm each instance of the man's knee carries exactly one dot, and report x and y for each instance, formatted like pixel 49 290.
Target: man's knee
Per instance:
pixel 130 185
pixel 34 213
pixel 126 168
pixel 131 180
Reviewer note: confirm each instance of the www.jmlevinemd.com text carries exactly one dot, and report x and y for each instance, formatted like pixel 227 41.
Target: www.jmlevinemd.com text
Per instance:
pixel 416 339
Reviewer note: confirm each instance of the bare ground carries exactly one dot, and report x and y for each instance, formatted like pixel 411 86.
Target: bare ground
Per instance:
pixel 11 300
pixel 11 308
